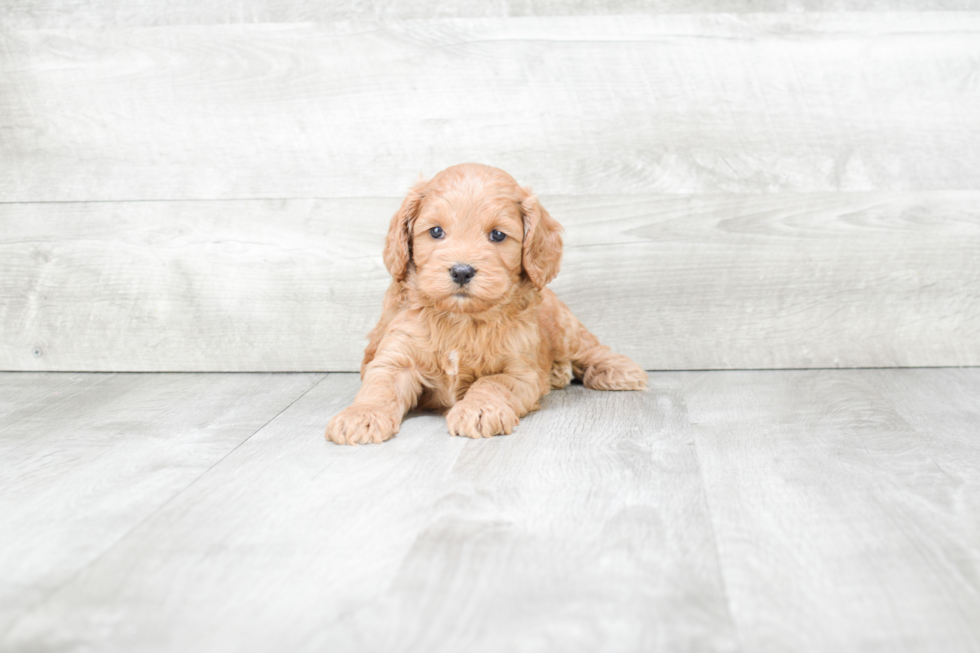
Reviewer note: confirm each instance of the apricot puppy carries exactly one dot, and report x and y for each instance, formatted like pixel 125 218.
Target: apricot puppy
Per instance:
pixel 468 325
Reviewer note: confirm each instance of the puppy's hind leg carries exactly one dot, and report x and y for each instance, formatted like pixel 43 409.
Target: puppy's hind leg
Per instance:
pixel 596 365
pixel 600 368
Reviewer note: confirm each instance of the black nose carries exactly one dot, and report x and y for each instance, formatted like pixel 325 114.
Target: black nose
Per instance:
pixel 461 274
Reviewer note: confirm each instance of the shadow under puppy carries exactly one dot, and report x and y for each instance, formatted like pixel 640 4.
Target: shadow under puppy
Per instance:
pixel 468 325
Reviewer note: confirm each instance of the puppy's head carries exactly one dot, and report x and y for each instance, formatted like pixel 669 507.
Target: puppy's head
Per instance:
pixel 469 236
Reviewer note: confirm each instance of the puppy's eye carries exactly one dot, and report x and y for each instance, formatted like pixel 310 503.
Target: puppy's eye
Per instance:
pixel 497 236
pixel 437 232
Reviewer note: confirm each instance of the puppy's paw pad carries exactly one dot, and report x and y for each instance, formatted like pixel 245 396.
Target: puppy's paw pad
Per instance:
pixel 481 420
pixel 361 425
pixel 619 373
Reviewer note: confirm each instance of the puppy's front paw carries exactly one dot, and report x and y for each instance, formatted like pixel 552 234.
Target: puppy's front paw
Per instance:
pixel 481 419
pixel 361 425
pixel 615 373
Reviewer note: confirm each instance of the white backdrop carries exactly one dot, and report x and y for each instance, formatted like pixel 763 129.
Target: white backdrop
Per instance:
pixel 207 187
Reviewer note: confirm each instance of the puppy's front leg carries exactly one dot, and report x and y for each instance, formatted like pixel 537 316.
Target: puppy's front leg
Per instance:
pixel 386 394
pixel 493 405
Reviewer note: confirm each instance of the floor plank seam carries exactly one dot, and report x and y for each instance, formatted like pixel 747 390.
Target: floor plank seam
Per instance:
pixel 714 541
pixel 68 581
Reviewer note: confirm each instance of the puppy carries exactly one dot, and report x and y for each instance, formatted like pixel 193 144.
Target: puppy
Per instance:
pixel 468 325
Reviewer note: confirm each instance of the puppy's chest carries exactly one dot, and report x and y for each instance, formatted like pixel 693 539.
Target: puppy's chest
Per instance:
pixel 465 355
pixel 461 355
pixel 461 367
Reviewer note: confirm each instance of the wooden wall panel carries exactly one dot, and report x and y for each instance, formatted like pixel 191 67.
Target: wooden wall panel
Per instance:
pixel 237 286
pixel 684 104
pixel 59 14
pixel 722 281
pixel 740 190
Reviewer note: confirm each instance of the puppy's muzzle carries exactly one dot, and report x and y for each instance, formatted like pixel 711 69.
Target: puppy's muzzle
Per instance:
pixel 462 274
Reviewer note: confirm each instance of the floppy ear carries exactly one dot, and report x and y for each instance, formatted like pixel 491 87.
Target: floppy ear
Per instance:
pixel 398 242
pixel 542 242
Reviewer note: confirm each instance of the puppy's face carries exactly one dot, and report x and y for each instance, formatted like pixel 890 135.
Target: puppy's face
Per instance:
pixel 466 246
pixel 467 237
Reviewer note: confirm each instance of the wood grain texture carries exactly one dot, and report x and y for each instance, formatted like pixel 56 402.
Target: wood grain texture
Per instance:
pixel 841 524
pixel 236 286
pixel 696 103
pixel 818 511
pixel 87 458
pixel 585 531
pixel 55 14
pixel 703 282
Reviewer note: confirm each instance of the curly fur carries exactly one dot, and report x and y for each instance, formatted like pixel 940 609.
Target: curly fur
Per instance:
pixel 486 351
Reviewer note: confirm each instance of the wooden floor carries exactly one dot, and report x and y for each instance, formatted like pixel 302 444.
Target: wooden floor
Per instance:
pixel 821 510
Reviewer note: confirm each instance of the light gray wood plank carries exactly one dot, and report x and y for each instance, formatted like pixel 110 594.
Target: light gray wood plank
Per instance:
pixel 790 281
pixel 944 406
pixel 695 103
pixel 721 281
pixel 86 458
pixel 843 504
pixel 194 286
pixel 52 14
pixel 841 526
pixel 586 530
